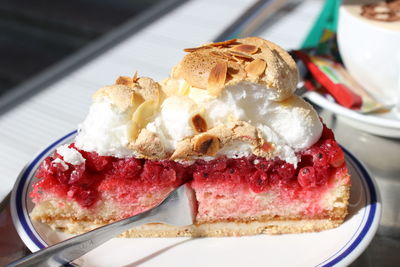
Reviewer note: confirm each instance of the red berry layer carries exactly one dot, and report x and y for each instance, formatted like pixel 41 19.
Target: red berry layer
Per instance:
pixel 130 178
pixel 125 179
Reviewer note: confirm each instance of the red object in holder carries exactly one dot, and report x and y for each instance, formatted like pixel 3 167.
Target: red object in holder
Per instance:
pixel 340 92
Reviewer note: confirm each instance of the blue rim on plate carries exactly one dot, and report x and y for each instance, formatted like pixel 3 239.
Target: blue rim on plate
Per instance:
pixel 345 255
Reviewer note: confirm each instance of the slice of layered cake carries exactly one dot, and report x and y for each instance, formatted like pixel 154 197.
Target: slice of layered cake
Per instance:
pixel 227 123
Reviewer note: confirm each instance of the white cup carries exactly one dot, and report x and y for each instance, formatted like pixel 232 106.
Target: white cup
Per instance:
pixel 370 51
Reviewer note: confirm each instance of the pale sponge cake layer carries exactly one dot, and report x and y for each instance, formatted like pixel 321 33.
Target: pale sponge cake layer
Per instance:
pixel 70 217
pixel 214 205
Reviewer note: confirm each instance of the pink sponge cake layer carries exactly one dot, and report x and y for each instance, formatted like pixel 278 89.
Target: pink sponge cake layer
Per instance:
pixel 252 188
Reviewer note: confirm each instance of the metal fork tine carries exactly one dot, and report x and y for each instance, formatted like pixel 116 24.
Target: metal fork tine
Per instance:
pixel 179 209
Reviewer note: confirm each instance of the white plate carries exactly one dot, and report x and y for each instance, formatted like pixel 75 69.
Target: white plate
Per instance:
pixel 385 124
pixel 338 246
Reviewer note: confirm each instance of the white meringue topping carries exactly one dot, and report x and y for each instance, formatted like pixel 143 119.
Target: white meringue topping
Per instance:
pixel 70 155
pixel 291 125
pixel 105 130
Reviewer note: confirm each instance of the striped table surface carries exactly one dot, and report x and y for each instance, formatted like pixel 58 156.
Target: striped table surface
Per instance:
pixel 152 51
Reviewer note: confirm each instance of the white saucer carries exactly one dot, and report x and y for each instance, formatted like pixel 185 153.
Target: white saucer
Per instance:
pixel 385 124
pixel 336 247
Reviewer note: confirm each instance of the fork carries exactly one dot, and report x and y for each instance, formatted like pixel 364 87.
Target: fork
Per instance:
pixel 177 209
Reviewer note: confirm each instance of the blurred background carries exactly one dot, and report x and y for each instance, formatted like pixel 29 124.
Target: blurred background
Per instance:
pixel 36 34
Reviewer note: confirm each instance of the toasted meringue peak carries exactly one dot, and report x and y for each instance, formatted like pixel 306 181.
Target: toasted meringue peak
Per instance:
pixel 149 145
pixel 131 92
pixel 118 115
pixel 224 135
pixel 232 98
pixel 249 59
pixel 121 96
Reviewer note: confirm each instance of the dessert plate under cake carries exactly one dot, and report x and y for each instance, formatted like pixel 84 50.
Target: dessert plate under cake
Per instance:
pixel 336 246
pixel 383 124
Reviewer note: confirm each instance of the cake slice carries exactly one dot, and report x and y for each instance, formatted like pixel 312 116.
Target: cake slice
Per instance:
pixel 226 122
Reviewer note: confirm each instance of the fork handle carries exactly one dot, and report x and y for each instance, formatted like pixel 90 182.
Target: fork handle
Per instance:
pixel 73 248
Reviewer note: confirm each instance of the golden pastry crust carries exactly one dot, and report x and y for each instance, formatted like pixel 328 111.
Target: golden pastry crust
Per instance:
pixel 212 229
pixel 217 65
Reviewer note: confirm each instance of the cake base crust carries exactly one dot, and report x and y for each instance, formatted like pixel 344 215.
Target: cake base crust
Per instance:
pixel 216 229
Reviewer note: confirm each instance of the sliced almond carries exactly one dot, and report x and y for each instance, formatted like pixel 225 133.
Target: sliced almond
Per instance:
pixel 192 49
pixel 256 68
pixel 245 48
pixel 133 131
pixel 184 89
pixel 136 100
pixel 199 123
pixel 241 55
pixel 216 53
pixel 220 54
pixel 224 43
pixel 206 144
pixel 135 77
pixel 238 60
pixel 236 70
pixel 217 77
pixel 142 116
pixel 227 55
pixel 124 80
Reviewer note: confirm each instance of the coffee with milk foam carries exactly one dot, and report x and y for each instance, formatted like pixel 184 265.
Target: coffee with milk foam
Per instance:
pixel 385 14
